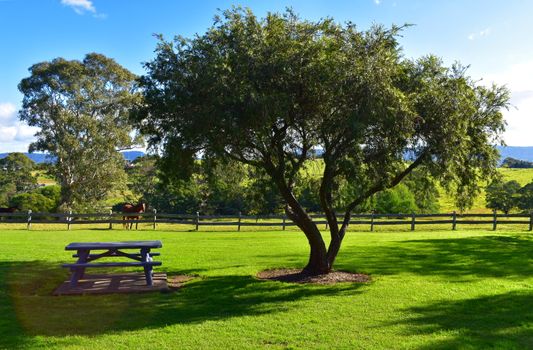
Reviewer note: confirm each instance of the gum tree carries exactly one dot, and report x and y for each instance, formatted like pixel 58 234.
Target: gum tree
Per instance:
pixel 81 108
pixel 274 92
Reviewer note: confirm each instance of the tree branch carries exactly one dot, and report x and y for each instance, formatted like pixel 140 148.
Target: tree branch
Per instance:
pixel 381 186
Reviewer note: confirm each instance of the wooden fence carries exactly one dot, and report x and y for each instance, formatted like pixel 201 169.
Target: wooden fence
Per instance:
pixel 238 221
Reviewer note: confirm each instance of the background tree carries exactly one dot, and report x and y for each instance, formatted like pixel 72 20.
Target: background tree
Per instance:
pixel 45 199
pixel 142 177
pixel 270 92
pixel 81 109
pixel 15 176
pixel 516 163
pixel 502 195
pixel 395 201
pixel 525 197
pixel 424 190
pixel 262 194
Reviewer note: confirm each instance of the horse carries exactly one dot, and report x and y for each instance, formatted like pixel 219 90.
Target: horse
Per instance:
pixel 130 208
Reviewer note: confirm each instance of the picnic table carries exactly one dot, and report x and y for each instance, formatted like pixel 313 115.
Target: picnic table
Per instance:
pixel 86 259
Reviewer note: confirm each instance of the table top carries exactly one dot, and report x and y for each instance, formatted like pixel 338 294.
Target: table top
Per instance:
pixel 114 245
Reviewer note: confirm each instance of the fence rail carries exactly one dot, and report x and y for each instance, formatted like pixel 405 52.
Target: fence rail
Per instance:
pixel 371 219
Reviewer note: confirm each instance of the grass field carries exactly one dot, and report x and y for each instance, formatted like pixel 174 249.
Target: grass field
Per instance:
pixel 470 289
pixel 522 176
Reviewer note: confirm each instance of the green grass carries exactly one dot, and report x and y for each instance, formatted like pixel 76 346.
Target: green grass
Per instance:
pixel 467 289
pixel 447 202
pixel 43 178
pixel 522 176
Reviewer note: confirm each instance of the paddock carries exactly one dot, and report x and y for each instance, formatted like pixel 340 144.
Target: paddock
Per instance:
pixel 428 289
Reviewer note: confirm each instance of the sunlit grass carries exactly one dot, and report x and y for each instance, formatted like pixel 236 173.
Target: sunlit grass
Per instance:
pixel 470 288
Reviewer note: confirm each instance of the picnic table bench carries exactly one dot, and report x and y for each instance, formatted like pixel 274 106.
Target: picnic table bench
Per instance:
pixel 144 258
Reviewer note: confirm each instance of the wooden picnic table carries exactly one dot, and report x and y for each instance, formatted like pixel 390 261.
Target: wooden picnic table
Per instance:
pixel 112 249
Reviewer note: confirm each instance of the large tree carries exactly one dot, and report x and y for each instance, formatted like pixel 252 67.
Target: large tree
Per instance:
pixel 274 92
pixel 81 108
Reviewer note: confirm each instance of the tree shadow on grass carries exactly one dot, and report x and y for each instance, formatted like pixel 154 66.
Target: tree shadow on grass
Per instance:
pixel 32 310
pixel 503 321
pixel 454 258
pixel 11 333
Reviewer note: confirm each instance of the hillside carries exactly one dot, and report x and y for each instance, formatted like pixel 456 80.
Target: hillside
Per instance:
pixel 522 153
pixel 522 176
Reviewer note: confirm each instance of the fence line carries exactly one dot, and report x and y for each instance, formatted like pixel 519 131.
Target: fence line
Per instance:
pixel 372 219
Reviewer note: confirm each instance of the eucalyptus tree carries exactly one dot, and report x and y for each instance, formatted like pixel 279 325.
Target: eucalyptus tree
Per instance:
pixel 274 92
pixel 81 108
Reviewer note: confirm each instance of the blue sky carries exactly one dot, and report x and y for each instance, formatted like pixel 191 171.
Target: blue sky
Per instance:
pixel 493 37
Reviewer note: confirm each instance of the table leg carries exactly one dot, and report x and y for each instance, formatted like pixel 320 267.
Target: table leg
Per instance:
pixel 78 272
pixel 145 255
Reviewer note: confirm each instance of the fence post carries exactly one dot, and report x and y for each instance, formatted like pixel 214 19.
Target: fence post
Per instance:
pixel 284 222
pixel 239 226
pixel 494 218
pixel 412 221
pixel 29 219
pixel 197 220
pixel 454 220
pixel 155 218
pixel 68 219
pixel 372 222
pixel 531 221
pixel 110 219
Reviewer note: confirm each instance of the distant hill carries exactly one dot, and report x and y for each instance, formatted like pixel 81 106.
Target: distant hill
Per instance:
pixel 44 158
pixel 521 153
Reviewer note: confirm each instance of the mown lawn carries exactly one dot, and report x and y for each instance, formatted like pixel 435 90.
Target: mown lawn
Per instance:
pixel 470 289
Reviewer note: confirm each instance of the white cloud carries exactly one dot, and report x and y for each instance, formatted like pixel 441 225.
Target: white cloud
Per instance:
pixel 7 133
pixel 8 113
pixel 82 6
pixel 14 134
pixel 480 34
pixel 517 78
pixel 377 2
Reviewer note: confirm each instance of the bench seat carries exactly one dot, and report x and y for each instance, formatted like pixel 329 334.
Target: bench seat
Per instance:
pixel 115 264
pixel 134 254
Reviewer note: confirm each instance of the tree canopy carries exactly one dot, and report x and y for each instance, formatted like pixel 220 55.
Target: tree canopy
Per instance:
pixel 81 108
pixel 502 195
pixel 276 91
pixel 510 162
pixel 15 176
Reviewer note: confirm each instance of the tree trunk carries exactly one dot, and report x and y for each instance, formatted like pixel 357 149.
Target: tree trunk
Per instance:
pixel 335 245
pixel 318 259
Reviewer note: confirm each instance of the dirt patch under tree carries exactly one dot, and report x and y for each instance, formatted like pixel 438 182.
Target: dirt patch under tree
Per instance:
pixel 298 276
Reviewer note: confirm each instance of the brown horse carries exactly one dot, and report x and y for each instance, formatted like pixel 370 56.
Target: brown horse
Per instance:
pixel 129 208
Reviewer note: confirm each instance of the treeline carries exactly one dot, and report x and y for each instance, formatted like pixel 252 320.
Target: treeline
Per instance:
pixel 221 188
pixel 230 187
pixel 19 187
pixel 506 196
pixel 516 163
